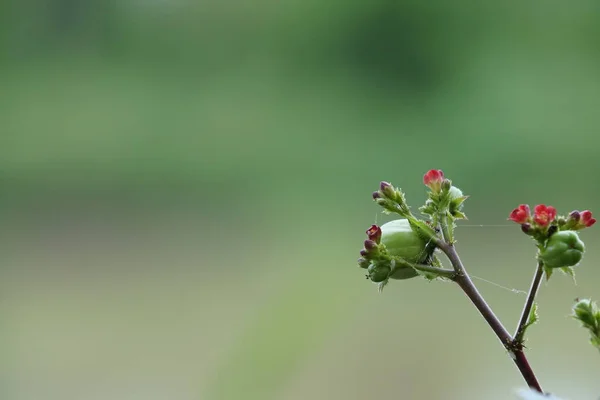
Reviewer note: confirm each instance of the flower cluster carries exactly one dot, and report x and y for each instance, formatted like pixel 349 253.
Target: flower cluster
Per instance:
pixel 545 216
pixel 404 248
pixel 559 244
pixel 542 215
pixel 444 198
pixel 580 220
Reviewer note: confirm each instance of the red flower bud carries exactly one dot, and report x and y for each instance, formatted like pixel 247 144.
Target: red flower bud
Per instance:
pixel 374 233
pixel 543 215
pixel 520 214
pixel 433 179
pixel 586 218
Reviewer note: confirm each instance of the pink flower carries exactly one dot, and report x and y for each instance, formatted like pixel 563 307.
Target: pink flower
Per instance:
pixel 520 214
pixel 586 218
pixel 434 178
pixel 543 215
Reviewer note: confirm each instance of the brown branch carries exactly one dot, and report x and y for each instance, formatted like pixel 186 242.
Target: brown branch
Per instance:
pixel 466 284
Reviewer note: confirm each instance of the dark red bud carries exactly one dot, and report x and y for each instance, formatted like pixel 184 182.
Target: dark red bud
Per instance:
pixel 370 245
pixel 575 216
pixel 376 195
pixel 387 189
pixel 364 253
pixel 526 228
pixel 374 233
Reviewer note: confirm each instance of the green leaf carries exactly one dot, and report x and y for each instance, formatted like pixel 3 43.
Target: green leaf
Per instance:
pixel 533 316
pixel 569 271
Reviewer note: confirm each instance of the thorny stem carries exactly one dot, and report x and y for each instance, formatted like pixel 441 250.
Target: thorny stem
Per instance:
pixel 535 285
pixel 466 284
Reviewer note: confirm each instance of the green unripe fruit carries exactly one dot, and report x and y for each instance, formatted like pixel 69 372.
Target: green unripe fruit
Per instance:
pixel 400 240
pixel 564 249
pixel 404 273
pixel 378 273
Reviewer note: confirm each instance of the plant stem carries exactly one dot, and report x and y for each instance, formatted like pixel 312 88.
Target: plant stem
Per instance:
pixel 446 273
pixel 466 284
pixel 535 285
pixel 446 231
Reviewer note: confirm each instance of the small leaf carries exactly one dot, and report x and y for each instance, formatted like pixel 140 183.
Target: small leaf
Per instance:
pixel 381 285
pixel 459 200
pixel 548 272
pixel 533 316
pixel 459 215
pixel 569 271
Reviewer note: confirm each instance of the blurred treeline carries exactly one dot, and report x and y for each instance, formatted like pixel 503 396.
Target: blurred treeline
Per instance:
pixel 301 87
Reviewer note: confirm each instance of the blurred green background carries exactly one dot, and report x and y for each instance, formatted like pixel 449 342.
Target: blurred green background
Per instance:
pixel 186 186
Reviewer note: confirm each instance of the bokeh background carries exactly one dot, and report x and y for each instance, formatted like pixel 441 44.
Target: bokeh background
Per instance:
pixel 185 187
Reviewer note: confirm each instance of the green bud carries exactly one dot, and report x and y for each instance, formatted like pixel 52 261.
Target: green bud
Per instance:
pixel 446 184
pixel 363 262
pixel 457 199
pixel 388 190
pixel 378 272
pixel 586 311
pixel 564 249
pixel 455 193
